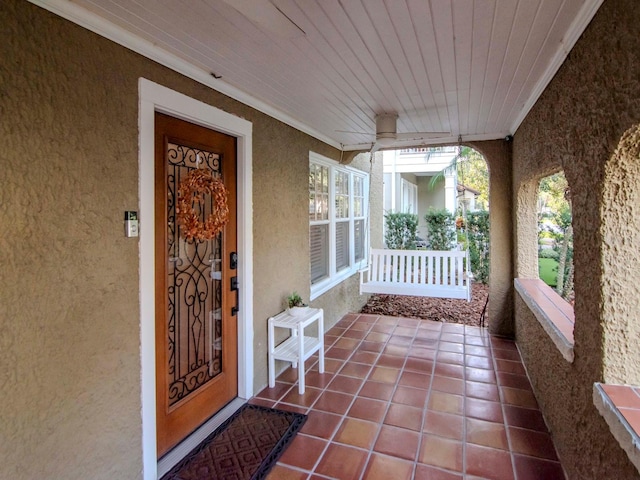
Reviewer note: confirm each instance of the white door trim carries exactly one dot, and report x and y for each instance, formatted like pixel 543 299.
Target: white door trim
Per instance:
pixel 156 98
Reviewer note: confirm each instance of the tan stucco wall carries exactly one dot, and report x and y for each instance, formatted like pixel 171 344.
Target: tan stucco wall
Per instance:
pixel 576 126
pixel 525 222
pixel 582 438
pixel 70 336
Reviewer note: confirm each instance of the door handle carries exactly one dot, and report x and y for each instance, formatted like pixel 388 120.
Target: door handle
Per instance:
pixel 236 287
pixel 236 309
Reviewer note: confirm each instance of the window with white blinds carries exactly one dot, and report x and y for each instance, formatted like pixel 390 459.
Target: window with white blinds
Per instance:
pixel 337 222
pixel 342 245
pixel 319 222
pixel 359 212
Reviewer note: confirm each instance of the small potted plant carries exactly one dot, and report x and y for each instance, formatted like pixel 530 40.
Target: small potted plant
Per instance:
pixel 296 306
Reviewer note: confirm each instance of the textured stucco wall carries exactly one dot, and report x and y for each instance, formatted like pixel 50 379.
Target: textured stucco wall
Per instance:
pixel 526 229
pixel 376 185
pixel 576 126
pixel 585 445
pixel 70 336
pixel 70 333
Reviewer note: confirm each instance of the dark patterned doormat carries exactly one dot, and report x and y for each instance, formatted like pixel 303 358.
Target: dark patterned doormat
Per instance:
pixel 246 446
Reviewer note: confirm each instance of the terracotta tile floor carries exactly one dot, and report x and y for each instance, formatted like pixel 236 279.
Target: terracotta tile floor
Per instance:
pixel 403 398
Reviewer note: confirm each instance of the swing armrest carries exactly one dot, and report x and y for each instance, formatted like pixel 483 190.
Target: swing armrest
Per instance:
pixel 363 279
pixel 362 271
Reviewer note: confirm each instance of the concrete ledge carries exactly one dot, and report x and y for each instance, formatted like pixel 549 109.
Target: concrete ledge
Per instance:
pixel 554 314
pixel 619 405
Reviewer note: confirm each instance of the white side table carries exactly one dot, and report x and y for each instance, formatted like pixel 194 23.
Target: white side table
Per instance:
pixel 298 347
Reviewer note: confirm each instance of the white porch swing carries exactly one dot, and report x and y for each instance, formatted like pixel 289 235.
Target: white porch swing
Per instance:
pixel 423 273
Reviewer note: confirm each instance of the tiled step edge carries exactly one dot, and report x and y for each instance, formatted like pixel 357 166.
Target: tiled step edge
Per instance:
pixel 553 313
pixel 620 428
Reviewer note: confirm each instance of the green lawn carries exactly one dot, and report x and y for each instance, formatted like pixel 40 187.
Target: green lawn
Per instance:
pixel 548 271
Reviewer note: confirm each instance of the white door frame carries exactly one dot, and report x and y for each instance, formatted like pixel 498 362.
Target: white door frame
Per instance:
pixel 156 98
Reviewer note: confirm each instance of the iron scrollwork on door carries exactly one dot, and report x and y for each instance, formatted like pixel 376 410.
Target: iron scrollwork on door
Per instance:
pixel 194 285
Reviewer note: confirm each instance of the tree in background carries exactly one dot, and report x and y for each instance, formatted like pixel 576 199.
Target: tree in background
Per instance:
pixel 554 221
pixel 552 194
pixel 562 218
pixel 472 172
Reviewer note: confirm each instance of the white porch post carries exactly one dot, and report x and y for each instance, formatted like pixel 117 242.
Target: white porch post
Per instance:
pixel 450 192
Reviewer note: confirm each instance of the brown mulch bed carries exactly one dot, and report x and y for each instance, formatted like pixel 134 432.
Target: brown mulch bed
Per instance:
pixel 438 309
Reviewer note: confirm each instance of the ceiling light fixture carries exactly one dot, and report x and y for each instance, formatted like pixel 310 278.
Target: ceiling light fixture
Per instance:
pixel 385 141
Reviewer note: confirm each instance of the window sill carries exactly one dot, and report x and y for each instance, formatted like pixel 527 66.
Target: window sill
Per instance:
pixel 327 284
pixel 619 405
pixel 554 314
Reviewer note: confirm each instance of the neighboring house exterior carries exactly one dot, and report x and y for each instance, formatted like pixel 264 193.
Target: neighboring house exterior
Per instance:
pixel 408 175
pixel 75 293
pixel 467 198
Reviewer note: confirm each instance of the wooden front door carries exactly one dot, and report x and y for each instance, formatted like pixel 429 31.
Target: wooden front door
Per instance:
pixel 196 328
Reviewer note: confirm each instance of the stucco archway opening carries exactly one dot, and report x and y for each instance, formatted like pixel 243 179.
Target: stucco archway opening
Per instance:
pixel 454 179
pixel 555 234
pixel 620 232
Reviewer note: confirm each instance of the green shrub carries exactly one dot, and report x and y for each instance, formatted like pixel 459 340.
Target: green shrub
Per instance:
pixel 548 253
pixel 478 240
pixel 461 238
pixel 441 231
pixel 400 230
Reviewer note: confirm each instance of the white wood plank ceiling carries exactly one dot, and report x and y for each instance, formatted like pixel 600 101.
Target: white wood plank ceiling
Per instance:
pixel 464 67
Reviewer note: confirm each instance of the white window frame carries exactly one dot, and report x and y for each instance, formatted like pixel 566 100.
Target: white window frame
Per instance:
pixel 336 277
